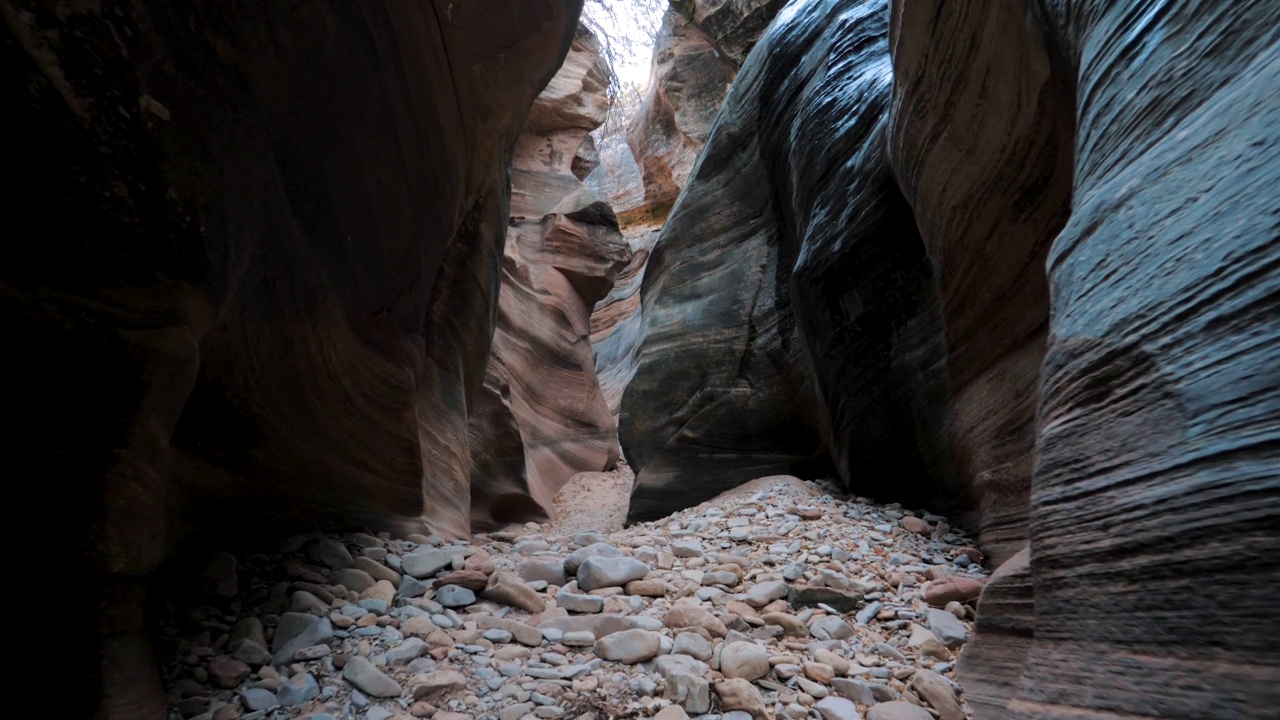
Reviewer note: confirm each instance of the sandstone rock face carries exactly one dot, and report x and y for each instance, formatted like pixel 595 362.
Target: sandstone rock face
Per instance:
pixel 264 292
pixel 992 663
pixel 616 323
pixel 1094 277
pixel 1160 407
pixel 541 416
pixel 697 52
pixel 687 82
pixel 696 55
pixel 988 202
pixel 1142 156
pixel 734 25
pixel 726 389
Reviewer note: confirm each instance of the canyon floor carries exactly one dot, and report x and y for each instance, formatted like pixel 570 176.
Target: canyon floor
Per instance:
pixel 782 598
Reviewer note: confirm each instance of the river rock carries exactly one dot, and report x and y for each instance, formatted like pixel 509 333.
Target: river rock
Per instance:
pixel 763 593
pixel 331 553
pixel 454 596
pixel 837 708
pixel 686 682
pixel 425 563
pixel 473 580
pixel 299 689
pixel 508 589
pixel 939 693
pixel 550 571
pixel 628 646
pixel 745 660
pixel 370 680
pixel 952 588
pixel 740 694
pixel 898 710
pixel 831 627
pixel 948 628
pixel 579 603
pixel 435 686
pixel 688 616
pixel 601 572
pixel 575 558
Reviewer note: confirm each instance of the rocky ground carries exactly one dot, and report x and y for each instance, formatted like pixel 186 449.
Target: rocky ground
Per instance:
pixel 781 599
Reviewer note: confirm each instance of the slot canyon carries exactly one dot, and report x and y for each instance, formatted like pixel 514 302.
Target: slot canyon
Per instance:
pixel 847 360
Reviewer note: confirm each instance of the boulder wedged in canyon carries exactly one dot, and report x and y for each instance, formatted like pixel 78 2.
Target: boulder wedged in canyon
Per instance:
pixel 542 416
pixel 264 293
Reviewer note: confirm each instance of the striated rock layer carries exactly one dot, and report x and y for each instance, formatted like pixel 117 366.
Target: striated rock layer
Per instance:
pixel 687 82
pixel 1156 494
pixel 254 277
pixel 989 181
pixel 697 52
pixel 1154 431
pixel 1119 412
pixel 541 417
pixel 733 25
pixel 786 313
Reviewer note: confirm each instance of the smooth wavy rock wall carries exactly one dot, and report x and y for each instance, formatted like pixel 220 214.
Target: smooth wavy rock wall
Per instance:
pixel 249 282
pixel 541 416
pixel 726 389
pixel 696 54
pixel 1155 497
pixel 1023 259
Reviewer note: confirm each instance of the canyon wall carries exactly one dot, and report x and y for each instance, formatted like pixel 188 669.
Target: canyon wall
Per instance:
pixel 980 141
pixel 1156 491
pixel 541 416
pixel 252 277
pixel 785 312
pixel 1019 262
pixel 696 54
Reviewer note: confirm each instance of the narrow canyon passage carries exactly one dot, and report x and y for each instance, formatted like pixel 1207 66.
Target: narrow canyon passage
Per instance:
pixel 821 359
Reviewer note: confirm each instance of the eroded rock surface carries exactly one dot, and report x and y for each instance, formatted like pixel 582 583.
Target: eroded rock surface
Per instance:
pixel 988 201
pixel 689 77
pixel 256 275
pixel 1123 149
pixel 726 388
pixel 733 25
pixel 541 416
pixel 1160 400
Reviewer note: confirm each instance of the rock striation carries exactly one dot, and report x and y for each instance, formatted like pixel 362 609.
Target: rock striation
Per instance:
pixel 687 82
pixel 696 54
pixel 733 25
pixel 1019 259
pixel 988 203
pixel 256 276
pixel 541 416
pixel 1159 411
pixel 752 360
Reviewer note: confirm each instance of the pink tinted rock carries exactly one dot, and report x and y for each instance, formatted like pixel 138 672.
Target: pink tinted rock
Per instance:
pixel 960 589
